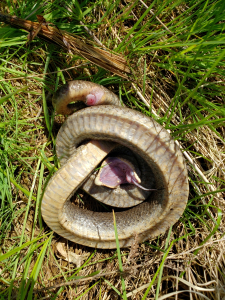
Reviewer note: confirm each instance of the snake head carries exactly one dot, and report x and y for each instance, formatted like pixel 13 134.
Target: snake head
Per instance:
pixel 115 171
pixel 69 97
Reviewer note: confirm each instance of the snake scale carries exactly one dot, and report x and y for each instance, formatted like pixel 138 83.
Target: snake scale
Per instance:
pixel 99 128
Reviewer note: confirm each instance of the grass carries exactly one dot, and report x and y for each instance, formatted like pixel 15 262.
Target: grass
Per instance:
pixel 175 50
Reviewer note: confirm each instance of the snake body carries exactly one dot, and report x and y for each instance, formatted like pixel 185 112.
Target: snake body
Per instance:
pixel 111 124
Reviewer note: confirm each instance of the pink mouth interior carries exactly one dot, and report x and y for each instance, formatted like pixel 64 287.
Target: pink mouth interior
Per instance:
pixel 118 172
pixel 94 98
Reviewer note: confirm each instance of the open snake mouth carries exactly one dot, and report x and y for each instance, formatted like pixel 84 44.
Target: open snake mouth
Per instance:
pixel 115 171
pixel 76 105
pixel 122 173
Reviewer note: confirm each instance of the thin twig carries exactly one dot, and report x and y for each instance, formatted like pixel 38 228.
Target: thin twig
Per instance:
pixel 90 278
pixel 92 35
pixel 34 11
pixel 151 11
pixel 88 30
pixel 174 256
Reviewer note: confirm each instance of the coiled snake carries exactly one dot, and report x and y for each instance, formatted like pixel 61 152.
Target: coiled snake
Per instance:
pixel 100 129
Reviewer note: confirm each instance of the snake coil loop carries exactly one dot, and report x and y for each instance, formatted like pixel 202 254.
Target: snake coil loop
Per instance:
pixel 104 125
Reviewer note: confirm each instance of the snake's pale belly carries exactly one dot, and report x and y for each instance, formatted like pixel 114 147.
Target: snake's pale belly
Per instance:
pixel 141 134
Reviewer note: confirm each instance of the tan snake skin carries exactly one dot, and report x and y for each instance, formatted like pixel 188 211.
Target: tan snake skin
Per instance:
pixel 112 124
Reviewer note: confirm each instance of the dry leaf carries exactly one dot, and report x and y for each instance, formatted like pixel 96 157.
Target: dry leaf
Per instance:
pixel 71 257
pixel 108 60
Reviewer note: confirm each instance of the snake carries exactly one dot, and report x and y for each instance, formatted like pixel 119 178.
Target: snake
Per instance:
pixel 155 194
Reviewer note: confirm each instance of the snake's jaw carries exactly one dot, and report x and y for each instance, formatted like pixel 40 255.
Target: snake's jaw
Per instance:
pixel 116 171
pixel 70 94
pixel 66 95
